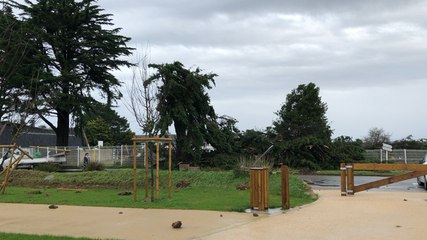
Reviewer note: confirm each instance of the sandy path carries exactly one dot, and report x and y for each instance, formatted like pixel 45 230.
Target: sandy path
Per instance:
pixel 368 215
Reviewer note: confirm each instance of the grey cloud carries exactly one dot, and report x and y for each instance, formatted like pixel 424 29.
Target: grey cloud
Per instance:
pixel 261 50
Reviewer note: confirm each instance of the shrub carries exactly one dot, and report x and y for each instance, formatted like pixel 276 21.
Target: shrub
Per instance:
pixel 48 167
pixel 95 166
pixel 245 163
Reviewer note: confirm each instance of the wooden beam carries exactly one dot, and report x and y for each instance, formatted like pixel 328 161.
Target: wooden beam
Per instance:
pixel 389 180
pixel 389 167
pixel 157 170
pixel 343 179
pixel 134 171
pixel 170 170
pixel 152 139
pixel 146 169
pixel 285 188
pixel 350 179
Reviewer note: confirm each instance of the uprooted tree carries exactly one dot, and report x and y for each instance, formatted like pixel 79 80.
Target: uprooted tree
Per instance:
pixel 183 102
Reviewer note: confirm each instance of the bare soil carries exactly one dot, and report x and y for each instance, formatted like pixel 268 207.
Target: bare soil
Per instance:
pixel 367 215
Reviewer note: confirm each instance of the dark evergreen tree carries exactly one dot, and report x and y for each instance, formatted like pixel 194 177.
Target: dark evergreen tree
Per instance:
pixel 104 123
pixel 253 142
pixel 77 48
pixel 16 68
pixel 301 130
pixel 409 143
pixel 345 149
pixel 184 103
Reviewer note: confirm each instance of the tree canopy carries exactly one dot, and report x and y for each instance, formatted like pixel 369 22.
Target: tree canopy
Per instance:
pixel 77 49
pixel 301 130
pixel 375 138
pixel 105 124
pixel 16 67
pixel 183 102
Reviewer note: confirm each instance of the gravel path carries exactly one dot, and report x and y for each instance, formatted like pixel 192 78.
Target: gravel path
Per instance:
pixel 367 215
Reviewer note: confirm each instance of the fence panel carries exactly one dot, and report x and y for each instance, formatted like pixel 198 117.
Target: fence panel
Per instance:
pixel 396 156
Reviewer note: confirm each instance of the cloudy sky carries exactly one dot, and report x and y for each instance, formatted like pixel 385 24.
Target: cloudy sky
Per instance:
pixel 367 57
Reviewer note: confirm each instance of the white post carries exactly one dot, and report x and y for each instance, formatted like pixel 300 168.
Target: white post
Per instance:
pixel 404 154
pixel 381 155
pixel 47 153
pixel 78 157
pixel 386 156
pixel 121 155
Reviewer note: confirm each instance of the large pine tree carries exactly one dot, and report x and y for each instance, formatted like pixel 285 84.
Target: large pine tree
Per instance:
pixel 16 63
pixel 302 129
pixel 78 48
pixel 184 103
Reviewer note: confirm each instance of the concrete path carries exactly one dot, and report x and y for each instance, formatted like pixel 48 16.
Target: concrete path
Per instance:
pixel 367 215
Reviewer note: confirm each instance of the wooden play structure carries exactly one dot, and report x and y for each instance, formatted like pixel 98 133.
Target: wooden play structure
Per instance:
pixel 347 175
pixel 12 164
pixel 157 141
pixel 259 191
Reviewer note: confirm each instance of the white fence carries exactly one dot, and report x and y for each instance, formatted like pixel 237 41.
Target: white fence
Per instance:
pixel 122 156
pixel 111 156
pixel 396 156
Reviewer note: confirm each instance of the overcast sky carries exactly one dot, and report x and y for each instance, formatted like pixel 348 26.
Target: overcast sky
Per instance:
pixel 369 58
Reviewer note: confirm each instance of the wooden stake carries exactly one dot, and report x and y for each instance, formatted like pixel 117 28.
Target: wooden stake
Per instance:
pixel 343 179
pixel 350 179
pixel 146 169
pixel 285 187
pixel 134 171
pixel 157 171
pixel 170 170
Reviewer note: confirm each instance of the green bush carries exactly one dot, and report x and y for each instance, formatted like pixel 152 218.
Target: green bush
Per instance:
pixel 48 167
pixel 242 167
pixel 95 166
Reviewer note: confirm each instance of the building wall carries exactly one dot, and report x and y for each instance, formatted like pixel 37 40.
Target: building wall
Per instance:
pixel 32 136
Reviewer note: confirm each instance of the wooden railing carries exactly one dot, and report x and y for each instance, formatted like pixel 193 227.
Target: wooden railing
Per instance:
pixel 347 175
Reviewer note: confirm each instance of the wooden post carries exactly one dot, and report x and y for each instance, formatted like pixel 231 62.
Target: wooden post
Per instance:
pixel 343 179
pixel 259 188
pixel 170 170
pixel 350 179
pixel 134 171
pixel 146 169
pixel 285 187
pixel 157 171
pixel 149 165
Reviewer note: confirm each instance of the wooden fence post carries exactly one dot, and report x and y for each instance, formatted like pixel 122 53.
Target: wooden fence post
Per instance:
pixel 343 179
pixel 134 171
pixel 285 187
pixel 350 179
pixel 157 170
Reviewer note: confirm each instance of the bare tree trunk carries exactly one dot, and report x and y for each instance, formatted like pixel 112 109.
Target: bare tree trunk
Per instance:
pixel 142 97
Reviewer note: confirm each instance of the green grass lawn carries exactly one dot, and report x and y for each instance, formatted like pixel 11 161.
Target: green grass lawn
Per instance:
pixel 15 236
pixel 208 190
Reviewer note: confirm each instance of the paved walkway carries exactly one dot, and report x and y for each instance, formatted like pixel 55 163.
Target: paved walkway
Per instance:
pixel 367 215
